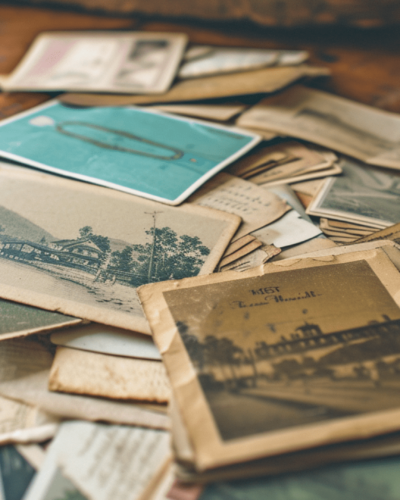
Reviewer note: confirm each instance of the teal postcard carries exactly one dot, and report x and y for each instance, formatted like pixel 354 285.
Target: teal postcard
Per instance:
pixel 147 153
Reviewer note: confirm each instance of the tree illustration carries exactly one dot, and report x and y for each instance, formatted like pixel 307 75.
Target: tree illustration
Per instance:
pixel 222 353
pixel 168 256
pixel 122 260
pixel 193 346
pixel 85 231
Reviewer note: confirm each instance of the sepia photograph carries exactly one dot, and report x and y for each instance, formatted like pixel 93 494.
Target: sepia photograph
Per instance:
pixel 133 62
pixel 362 194
pixel 330 121
pixel 280 350
pixel 83 250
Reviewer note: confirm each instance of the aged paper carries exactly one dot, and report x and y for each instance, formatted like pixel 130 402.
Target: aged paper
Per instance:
pixel 112 462
pixel 217 112
pixel 18 320
pixel 283 175
pixel 309 188
pixel 82 250
pixel 19 421
pixel 290 229
pixel 251 82
pixel 285 159
pixel 390 248
pixel 335 169
pixel 369 134
pixel 24 371
pixel 23 423
pixel 304 379
pixel 204 61
pixel 265 134
pixel 318 243
pixel 261 158
pixel 238 244
pixel 33 390
pixel 298 169
pixel 253 259
pixel 228 60
pixel 115 377
pixel 251 247
pixel 346 226
pixel 390 233
pixel 254 205
pixel 107 340
pixel 362 194
pixel 115 461
pixel 130 62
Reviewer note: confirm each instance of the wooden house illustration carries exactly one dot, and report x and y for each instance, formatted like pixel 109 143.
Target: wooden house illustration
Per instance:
pixel 81 253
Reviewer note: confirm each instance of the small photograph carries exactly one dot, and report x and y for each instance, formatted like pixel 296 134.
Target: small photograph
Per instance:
pixel 293 348
pixel 83 250
pixel 144 65
pixel 146 153
pixel 103 62
pixel 361 194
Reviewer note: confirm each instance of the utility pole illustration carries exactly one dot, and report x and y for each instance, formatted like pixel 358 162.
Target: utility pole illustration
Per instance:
pixel 153 247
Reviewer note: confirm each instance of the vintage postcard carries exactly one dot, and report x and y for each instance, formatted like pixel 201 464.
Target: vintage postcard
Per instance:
pixel 362 194
pixel 260 81
pixel 291 356
pixel 369 134
pixel 18 320
pixel 147 153
pixel 115 377
pixel 71 247
pixel 107 340
pixel 119 62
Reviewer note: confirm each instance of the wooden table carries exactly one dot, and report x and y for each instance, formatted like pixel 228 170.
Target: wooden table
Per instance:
pixel 365 63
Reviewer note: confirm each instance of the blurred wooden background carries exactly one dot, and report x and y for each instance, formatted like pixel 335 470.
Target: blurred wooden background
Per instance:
pixel 365 63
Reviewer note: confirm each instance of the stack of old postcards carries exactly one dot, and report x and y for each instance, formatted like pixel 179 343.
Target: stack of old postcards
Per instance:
pixel 175 324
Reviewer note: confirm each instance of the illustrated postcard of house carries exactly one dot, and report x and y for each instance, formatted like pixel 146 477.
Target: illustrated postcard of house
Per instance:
pixel 298 354
pixel 82 250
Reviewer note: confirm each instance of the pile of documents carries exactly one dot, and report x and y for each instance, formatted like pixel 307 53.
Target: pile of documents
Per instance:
pixel 199 281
